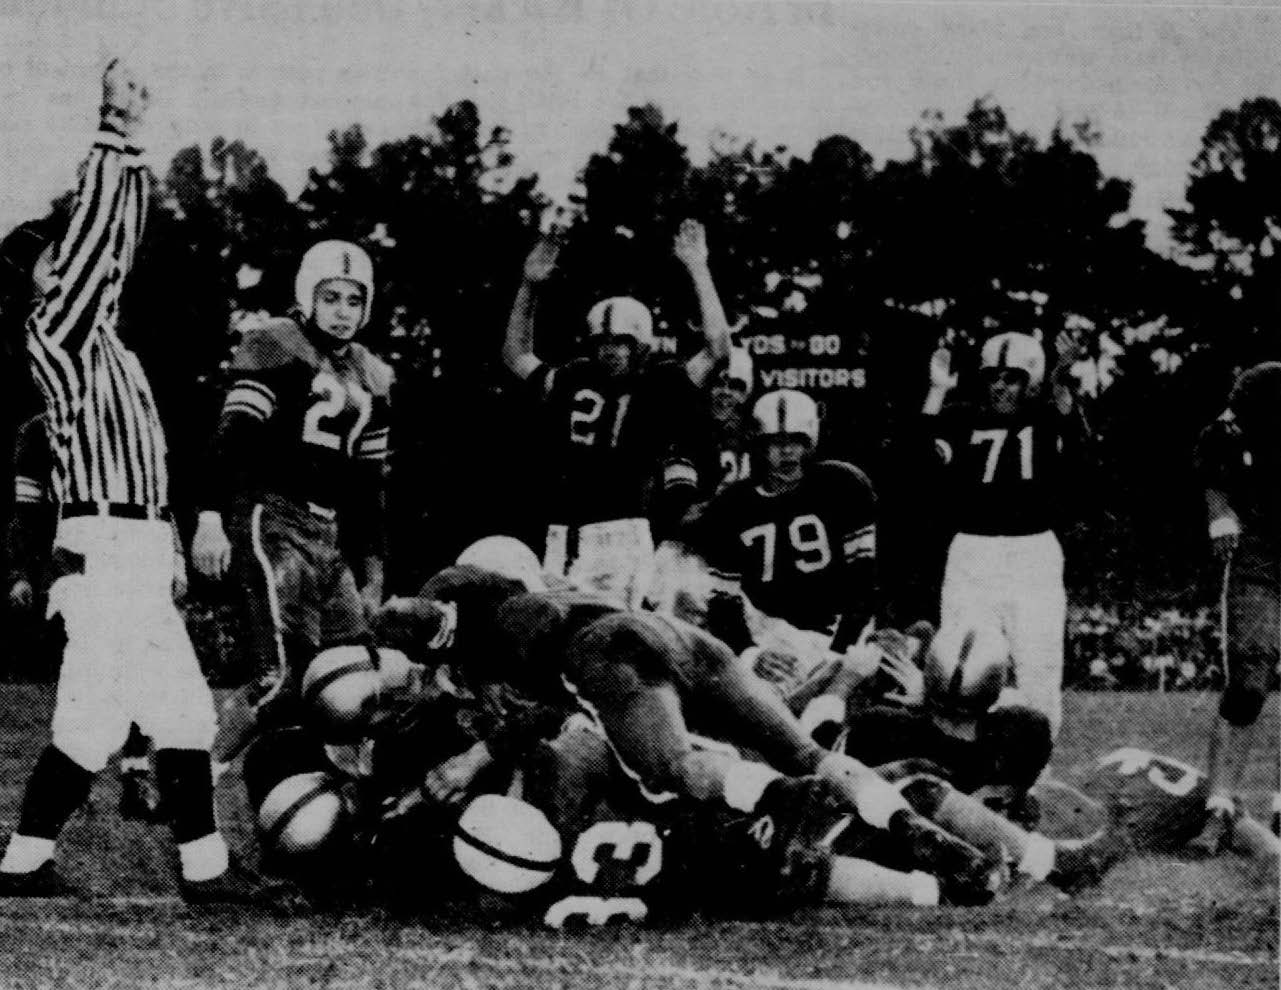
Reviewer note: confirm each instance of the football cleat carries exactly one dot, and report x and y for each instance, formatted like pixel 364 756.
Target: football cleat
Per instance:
pixel 967 877
pixel 236 885
pixel 1214 836
pixel 43 882
pixel 1079 864
pixel 139 797
pixel 727 620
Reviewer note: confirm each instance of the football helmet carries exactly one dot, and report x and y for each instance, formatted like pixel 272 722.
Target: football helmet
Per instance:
pixel 341 690
pixel 965 668
pixel 507 556
pixel 622 316
pixel 786 412
pixel 1020 351
pixel 333 259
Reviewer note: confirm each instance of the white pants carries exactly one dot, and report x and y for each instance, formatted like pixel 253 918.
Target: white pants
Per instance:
pixel 614 558
pixel 128 656
pixel 1018 582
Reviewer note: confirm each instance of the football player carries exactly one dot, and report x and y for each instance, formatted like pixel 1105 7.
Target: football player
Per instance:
pixel 958 721
pixel 1239 461
pixel 303 434
pixel 798 537
pixel 618 424
pixel 1009 461
pixel 1160 801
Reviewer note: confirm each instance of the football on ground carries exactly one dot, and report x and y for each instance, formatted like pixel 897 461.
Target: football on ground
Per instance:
pixel 1157 921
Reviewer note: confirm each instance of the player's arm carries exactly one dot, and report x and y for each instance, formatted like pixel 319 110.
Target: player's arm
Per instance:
pixel 1062 389
pixel 857 550
pixel 372 454
pixel 97 249
pixel 29 534
pixel 690 248
pixel 518 345
pixel 1212 458
pixel 249 403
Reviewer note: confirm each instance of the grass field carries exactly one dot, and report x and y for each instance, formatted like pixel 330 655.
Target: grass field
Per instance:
pixel 1155 922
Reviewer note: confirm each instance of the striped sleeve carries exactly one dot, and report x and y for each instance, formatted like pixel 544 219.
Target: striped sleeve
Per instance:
pixel 92 259
pixel 860 544
pixel 373 444
pixel 249 397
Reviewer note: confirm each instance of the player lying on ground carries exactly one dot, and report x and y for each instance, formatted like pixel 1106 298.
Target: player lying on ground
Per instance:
pixel 647 679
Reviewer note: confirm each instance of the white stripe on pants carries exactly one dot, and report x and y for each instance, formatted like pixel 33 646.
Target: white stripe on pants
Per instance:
pixel 128 656
pixel 1018 581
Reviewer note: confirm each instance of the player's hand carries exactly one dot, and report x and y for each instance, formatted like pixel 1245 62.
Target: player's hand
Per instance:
pixel 210 548
pixel 540 264
pixel 942 376
pixel 124 97
pixel 862 660
pixel 371 596
pixel 1223 547
pixel 690 245
pixel 908 678
pixel 776 667
pixel 448 782
pixel 22 596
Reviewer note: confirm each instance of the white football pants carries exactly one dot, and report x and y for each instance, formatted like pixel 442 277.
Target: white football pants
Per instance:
pixel 1018 581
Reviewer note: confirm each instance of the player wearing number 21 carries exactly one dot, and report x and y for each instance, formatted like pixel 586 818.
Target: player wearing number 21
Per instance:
pixel 303 434
pixel 1010 462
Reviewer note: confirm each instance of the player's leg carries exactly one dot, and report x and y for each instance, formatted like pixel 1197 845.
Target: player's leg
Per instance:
pixel 1066 864
pixel 1036 616
pixel 1252 645
pixel 1011 750
pixel 275 596
pixel 88 720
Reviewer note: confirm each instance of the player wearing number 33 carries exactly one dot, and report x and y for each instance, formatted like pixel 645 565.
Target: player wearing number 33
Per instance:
pixel 303 435
pixel 1008 460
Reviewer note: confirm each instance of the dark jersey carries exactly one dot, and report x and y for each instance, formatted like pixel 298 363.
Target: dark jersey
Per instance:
pixel 1248 471
pixel 610 441
pixel 302 422
pixel 806 555
pixel 1008 476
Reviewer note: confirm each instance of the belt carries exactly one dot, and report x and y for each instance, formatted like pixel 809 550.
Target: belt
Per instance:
pixel 322 511
pixel 116 510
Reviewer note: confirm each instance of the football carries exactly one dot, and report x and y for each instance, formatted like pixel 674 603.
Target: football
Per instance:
pixel 506 845
pixel 340 689
pixel 301 813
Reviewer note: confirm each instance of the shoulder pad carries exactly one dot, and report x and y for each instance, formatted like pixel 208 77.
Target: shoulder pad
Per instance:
pixel 275 344
pixel 378 375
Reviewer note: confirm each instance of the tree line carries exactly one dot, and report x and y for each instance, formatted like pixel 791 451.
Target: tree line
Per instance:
pixel 982 227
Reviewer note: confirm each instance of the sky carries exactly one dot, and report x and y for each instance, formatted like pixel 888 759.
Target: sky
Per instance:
pixel 559 74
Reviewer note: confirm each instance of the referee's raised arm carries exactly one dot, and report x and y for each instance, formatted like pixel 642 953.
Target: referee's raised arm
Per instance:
pixel 82 296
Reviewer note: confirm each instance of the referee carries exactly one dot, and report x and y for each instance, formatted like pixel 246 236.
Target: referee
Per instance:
pixel 128 656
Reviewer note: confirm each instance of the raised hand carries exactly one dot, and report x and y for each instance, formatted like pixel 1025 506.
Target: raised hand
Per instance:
pixel 540 264
pixel 690 244
pixel 124 97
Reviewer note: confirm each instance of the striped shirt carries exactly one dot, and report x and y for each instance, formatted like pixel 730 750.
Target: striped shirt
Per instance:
pixel 104 431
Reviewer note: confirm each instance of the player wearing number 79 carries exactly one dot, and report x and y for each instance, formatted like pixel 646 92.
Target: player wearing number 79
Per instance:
pixel 303 434
pixel 1010 462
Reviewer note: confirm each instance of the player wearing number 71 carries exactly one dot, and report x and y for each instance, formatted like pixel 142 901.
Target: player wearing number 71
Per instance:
pixel 303 435
pixel 1010 461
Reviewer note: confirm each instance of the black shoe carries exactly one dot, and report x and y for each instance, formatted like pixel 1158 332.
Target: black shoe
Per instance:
pixel 1214 836
pixel 966 876
pixel 727 620
pixel 1082 863
pixel 139 797
pixel 236 885
pixel 44 882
